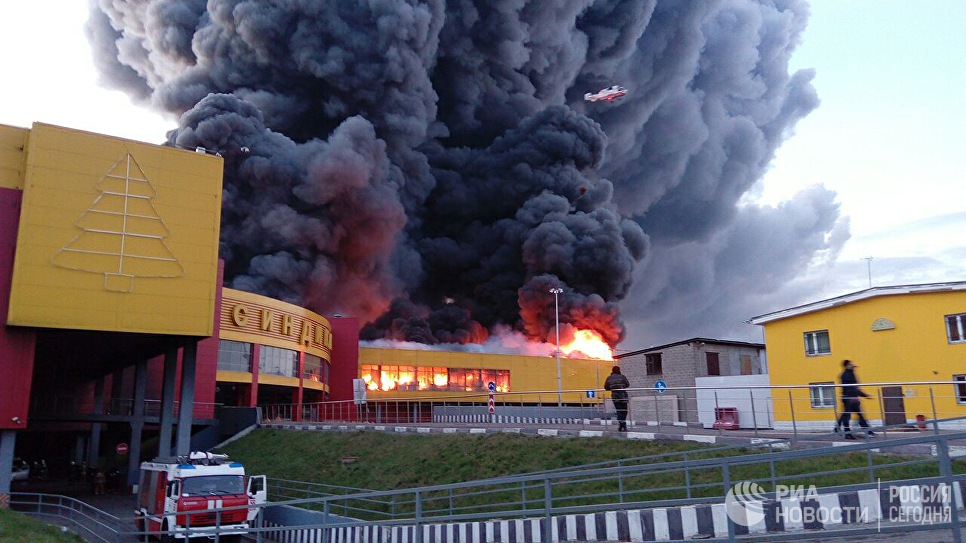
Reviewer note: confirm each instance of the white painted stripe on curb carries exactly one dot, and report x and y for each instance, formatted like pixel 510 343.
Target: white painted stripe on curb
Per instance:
pixel 519 530
pixel 720 518
pixel 682 424
pixel 488 536
pixel 380 428
pixel 634 523
pixel 449 430
pixel 758 527
pixel 689 521
pixel 504 530
pixel 401 428
pixel 536 531
pixel 590 527
pixel 662 531
pixel 512 430
pixel 640 435
pixel 700 438
pixel 652 423
pixel 477 430
pixel 546 432
pixel 869 501
pixel 610 523
pixel 793 522
pixel 571 522
pixel 422 430
pixel 590 433
pixel 829 503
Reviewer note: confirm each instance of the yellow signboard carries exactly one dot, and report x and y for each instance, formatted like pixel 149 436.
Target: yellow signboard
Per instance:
pixel 116 235
pixel 253 318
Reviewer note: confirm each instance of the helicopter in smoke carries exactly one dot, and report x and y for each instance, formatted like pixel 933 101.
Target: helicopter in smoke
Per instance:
pixel 607 94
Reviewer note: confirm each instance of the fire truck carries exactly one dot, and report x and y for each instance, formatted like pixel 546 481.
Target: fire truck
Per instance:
pixel 170 488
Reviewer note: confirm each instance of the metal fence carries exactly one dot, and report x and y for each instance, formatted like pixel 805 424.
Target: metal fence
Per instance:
pixel 547 504
pixel 811 407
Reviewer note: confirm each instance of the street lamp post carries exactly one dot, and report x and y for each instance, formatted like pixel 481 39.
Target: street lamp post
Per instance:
pixel 556 309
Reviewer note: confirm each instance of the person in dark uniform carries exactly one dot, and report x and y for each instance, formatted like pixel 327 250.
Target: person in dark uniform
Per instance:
pixel 616 383
pixel 850 401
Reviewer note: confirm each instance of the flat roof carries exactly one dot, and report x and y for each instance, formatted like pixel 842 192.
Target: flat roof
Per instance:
pixel 855 297
pixel 711 341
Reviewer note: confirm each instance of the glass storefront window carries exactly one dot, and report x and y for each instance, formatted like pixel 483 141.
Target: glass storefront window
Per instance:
pixel 234 356
pixel 276 361
pixel 312 369
pixel 411 378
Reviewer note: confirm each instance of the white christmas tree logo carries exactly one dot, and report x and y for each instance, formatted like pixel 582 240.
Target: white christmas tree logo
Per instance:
pixel 122 233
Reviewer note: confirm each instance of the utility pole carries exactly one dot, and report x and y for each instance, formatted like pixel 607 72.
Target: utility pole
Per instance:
pixel 556 307
pixel 868 261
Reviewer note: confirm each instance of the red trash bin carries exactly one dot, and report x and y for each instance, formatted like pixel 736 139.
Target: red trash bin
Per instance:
pixel 726 418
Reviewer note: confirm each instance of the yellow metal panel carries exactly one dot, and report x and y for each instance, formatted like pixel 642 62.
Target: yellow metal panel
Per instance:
pixel 233 376
pixel 13 142
pixel 116 235
pixel 916 350
pixel 278 380
pixel 314 385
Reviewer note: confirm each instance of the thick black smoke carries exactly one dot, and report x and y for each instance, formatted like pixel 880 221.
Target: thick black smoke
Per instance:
pixel 433 168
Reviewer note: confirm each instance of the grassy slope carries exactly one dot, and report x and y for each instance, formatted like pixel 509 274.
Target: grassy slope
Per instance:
pixel 389 461
pixel 17 528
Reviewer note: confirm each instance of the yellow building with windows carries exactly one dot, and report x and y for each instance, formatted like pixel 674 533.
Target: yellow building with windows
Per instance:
pixel 404 374
pixel 897 334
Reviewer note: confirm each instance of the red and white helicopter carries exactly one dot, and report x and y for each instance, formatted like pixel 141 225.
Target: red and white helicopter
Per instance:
pixel 607 94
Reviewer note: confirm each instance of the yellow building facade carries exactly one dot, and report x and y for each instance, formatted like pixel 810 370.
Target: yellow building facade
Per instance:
pixel 905 334
pixel 405 374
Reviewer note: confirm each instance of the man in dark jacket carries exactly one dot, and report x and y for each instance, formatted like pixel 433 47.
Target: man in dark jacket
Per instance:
pixel 616 383
pixel 850 401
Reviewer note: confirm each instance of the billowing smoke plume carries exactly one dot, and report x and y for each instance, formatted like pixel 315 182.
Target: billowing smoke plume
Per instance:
pixel 433 168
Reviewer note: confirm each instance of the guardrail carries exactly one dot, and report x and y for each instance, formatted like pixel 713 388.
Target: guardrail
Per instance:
pixel 85 405
pixel 791 408
pixel 546 504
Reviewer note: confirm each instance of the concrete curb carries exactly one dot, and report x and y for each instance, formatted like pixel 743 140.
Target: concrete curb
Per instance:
pixel 775 444
pixel 657 524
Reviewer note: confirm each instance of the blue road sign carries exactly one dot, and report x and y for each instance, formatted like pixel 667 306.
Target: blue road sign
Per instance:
pixel 491 386
pixel 660 385
pixel 591 393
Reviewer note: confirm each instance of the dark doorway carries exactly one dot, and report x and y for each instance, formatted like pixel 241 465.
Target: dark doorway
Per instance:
pixel 894 405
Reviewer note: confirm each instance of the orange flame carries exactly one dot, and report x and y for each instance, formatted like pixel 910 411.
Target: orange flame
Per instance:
pixel 590 344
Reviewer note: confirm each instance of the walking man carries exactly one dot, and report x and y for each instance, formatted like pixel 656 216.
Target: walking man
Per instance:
pixel 850 401
pixel 616 383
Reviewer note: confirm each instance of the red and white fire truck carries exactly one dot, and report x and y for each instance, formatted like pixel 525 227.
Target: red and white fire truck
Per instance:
pixel 170 488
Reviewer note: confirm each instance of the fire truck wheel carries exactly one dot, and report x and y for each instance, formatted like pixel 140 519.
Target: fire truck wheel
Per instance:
pixel 166 538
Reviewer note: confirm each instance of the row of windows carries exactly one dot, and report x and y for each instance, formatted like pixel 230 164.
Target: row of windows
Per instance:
pixel 817 342
pixel 654 365
pixel 392 377
pixel 823 394
pixel 237 356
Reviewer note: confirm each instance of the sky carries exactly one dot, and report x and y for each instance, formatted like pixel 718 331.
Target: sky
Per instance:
pixel 887 137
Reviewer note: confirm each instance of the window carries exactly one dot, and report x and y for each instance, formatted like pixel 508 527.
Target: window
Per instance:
pixel 956 328
pixel 823 395
pixel 234 356
pixel 652 364
pixel 411 378
pixel 713 367
pixel 276 361
pixel 312 368
pixel 960 388
pixel 816 343
pixel 745 360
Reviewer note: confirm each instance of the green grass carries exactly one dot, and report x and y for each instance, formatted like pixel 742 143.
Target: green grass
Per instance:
pixel 17 528
pixel 390 461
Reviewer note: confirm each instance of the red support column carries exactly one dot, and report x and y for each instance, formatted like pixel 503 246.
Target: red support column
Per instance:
pixel 252 399
pixel 297 393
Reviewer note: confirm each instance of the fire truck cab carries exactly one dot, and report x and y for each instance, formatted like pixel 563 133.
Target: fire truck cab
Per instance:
pixel 170 488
